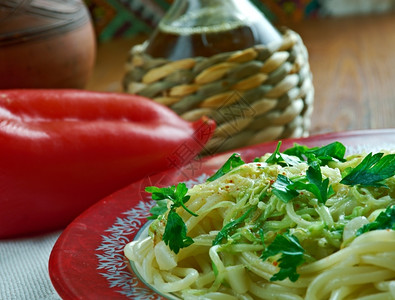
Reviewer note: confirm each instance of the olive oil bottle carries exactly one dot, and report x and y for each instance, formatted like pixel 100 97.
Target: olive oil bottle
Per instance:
pixel 224 60
pixel 193 28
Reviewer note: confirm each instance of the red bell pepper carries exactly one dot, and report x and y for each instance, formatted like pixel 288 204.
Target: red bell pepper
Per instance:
pixel 63 150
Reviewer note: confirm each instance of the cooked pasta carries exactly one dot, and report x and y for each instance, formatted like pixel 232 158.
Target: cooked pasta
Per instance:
pixel 240 214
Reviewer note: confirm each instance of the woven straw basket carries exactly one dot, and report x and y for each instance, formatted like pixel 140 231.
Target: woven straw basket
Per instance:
pixel 255 95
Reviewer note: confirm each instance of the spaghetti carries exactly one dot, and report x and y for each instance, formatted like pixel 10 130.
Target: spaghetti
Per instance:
pixel 242 216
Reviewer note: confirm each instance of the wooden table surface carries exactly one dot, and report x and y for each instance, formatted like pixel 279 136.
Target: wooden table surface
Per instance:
pixel 352 60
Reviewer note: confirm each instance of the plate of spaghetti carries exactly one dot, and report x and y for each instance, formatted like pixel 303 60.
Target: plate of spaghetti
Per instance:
pixel 309 218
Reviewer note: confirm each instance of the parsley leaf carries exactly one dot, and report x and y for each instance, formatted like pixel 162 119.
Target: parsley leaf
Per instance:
pixel 233 162
pixel 314 175
pixel 385 220
pixel 371 171
pixel 160 193
pixel 318 187
pixel 181 197
pixel 159 209
pixel 286 189
pixel 279 158
pixel 228 228
pixel 175 234
pixel 178 195
pixel 291 256
pixel 283 188
pixel 298 151
pixel 331 152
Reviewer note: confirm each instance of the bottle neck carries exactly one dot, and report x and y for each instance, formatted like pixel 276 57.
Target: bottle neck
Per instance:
pixel 202 16
pixel 208 27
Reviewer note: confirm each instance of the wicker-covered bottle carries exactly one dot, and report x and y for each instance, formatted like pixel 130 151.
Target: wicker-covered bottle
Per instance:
pixel 223 59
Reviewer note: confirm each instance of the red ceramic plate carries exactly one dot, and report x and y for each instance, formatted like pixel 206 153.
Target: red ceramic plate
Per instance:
pixel 87 260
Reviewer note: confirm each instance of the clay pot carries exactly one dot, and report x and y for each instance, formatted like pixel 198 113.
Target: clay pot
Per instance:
pixel 45 44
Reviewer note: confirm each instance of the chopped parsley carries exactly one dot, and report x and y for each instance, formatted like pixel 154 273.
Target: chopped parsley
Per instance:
pixel 175 234
pixel 158 210
pixel 371 170
pixel 228 228
pixel 331 152
pixel 286 189
pixel 281 158
pixel 291 256
pixel 385 220
pixel 283 188
pixel 233 162
pixel 318 186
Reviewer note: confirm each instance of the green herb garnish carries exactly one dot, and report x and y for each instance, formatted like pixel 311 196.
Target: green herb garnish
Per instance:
pixel 228 228
pixel 331 152
pixel 158 210
pixel 315 184
pixel 385 220
pixel 371 171
pixel 281 158
pixel 286 189
pixel 291 256
pixel 233 162
pixel 178 195
pixel 175 234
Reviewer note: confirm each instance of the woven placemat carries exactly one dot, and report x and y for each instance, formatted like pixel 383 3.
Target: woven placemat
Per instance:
pixel 255 95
